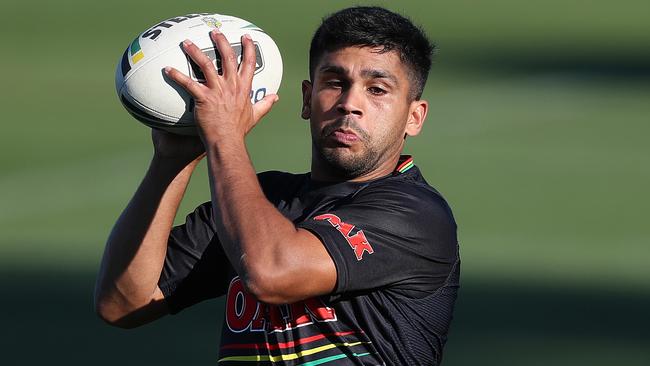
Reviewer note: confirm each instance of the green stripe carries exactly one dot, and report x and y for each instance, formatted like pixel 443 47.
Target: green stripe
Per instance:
pixel 135 46
pixel 331 358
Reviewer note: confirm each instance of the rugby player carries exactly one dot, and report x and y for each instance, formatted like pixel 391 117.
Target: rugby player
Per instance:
pixel 353 263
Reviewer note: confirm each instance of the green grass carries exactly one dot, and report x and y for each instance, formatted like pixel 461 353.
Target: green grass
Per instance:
pixel 537 135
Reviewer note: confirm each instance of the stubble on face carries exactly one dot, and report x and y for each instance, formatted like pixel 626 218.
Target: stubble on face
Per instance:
pixel 342 160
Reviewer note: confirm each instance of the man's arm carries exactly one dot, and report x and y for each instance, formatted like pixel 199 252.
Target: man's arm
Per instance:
pixel 278 262
pixel 126 292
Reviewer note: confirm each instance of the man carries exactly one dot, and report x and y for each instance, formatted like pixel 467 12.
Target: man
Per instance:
pixel 353 263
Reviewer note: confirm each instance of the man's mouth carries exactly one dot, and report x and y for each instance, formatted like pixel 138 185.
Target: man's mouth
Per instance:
pixel 343 132
pixel 344 136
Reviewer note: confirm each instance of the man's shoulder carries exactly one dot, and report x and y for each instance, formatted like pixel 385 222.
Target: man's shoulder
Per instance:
pixel 278 185
pixel 409 189
pixel 405 207
pixel 271 176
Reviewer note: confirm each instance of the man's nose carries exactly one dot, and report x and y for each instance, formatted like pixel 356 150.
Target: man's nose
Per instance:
pixel 351 101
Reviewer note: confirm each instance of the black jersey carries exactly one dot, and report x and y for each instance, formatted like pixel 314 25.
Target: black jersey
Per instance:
pixel 393 242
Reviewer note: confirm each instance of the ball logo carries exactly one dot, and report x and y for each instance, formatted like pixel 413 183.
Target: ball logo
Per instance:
pixel 211 22
pixel 155 31
pixel 215 57
pixel 136 52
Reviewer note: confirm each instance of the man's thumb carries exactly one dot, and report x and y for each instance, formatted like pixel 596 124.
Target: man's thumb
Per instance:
pixel 261 108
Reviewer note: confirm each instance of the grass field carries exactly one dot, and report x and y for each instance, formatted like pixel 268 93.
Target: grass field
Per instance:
pixel 537 135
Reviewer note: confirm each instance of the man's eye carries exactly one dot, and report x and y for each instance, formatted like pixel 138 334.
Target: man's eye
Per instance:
pixel 376 90
pixel 334 83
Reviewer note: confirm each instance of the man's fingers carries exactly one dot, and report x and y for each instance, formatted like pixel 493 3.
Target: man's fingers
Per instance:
pixel 193 87
pixel 247 67
pixel 203 61
pixel 261 108
pixel 228 57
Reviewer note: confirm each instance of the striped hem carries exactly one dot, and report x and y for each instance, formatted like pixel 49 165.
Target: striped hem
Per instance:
pixel 332 358
pixel 302 341
pixel 293 356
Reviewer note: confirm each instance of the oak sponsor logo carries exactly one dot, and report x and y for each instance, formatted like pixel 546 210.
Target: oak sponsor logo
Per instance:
pixel 245 313
pixel 357 241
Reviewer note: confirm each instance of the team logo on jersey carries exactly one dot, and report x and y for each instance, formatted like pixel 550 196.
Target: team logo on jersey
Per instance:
pixel 357 241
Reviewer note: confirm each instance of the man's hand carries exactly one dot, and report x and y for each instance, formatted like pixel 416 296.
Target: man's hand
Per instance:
pixel 223 109
pixel 176 148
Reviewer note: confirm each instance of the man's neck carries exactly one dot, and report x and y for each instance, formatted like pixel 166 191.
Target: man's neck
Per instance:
pixel 322 171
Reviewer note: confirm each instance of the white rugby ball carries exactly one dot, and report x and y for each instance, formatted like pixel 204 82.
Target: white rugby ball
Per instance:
pixel 156 100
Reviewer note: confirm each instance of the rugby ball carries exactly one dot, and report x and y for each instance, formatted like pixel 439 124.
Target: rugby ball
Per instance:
pixel 156 100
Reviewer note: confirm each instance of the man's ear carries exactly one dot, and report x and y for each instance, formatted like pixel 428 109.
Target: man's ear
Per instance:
pixel 417 115
pixel 306 99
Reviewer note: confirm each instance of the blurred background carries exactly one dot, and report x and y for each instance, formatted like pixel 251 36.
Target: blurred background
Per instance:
pixel 537 135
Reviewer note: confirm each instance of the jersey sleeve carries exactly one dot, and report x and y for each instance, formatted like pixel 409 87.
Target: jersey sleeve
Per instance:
pixel 195 268
pixel 402 237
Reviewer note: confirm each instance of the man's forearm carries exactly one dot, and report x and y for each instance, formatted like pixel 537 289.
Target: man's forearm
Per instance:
pixel 266 249
pixel 136 247
pixel 244 215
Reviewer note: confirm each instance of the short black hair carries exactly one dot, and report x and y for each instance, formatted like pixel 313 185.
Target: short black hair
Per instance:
pixel 371 26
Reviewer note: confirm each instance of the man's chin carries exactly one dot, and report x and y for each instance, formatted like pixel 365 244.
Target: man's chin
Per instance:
pixel 345 162
pixel 339 155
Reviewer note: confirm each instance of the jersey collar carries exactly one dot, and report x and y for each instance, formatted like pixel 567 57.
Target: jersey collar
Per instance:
pixel 404 163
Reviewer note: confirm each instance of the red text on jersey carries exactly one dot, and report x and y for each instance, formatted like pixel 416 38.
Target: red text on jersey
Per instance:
pixel 244 312
pixel 358 241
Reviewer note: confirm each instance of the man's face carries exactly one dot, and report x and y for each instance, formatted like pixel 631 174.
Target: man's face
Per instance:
pixel 360 110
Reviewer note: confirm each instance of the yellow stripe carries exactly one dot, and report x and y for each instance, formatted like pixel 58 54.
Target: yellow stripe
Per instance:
pixel 137 57
pixel 291 356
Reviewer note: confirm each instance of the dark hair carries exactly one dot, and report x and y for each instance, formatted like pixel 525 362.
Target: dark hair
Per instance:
pixel 375 27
